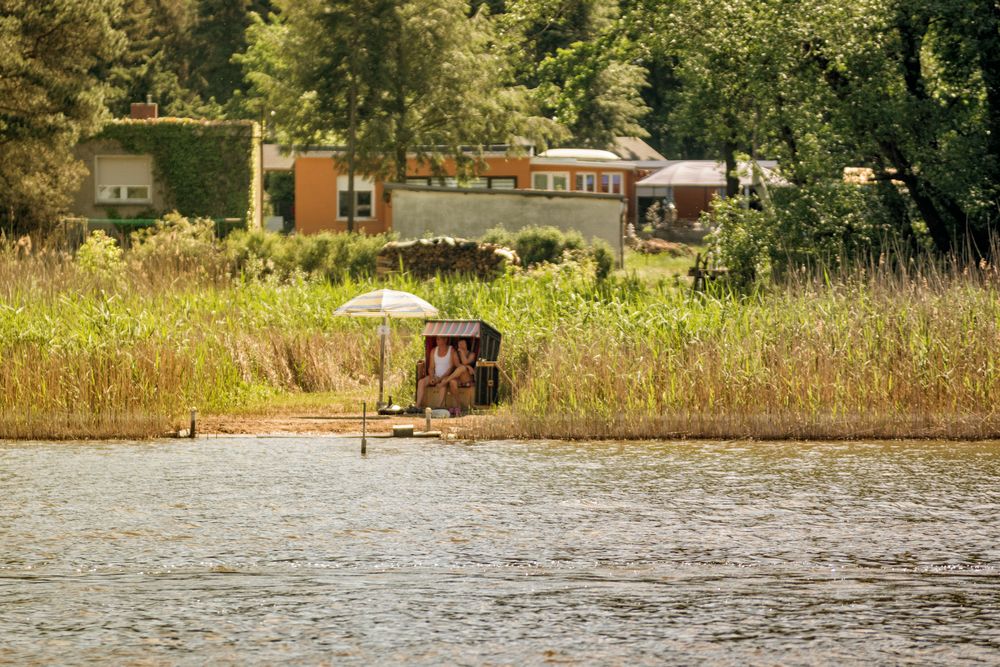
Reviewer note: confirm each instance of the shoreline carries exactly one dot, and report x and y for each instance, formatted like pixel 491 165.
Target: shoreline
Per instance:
pixel 501 426
pixel 479 427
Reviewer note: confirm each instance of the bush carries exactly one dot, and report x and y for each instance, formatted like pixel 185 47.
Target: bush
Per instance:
pixel 822 223
pixel 179 244
pixel 549 245
pixel 604 258
pixel 330 256
pixel 100 257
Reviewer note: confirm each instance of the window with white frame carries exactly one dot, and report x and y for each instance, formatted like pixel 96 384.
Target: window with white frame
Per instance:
pixel 364 200
pixel 123 179
pixel 550 180
pixel 586 182
pixel 611 183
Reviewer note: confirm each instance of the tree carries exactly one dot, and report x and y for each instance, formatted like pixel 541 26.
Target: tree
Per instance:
pixel 181 53
pixel 391 78
pixel 910 88
pixel 49 97
pixel 583 71
pixel 594 91
pixel 219 32
pixel 156 61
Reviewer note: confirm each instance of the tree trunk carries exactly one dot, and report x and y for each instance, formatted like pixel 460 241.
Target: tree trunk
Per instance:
pixel 940 212
pixel 402 140
pixel 732 178
pixel 352 141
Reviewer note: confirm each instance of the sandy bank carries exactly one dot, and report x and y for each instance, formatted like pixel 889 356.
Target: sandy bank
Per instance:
pixel 324 424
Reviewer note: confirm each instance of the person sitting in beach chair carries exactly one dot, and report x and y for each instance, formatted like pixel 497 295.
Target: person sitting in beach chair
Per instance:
pixel 443 362
pixel 464 374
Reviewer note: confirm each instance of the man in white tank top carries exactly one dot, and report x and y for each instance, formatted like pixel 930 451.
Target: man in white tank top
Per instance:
pixel 442 362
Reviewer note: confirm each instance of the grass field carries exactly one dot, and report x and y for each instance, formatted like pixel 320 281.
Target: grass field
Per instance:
pixel 653 269
pixel 871 354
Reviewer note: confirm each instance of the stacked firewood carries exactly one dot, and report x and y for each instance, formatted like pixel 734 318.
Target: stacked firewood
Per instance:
pixel 424 258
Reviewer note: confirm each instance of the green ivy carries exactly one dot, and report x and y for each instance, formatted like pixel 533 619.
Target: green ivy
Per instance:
pixel 207 167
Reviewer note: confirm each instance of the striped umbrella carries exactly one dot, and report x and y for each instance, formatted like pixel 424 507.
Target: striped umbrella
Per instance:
pixel 386 303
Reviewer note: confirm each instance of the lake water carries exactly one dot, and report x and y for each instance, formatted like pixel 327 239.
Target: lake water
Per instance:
pixel 299 550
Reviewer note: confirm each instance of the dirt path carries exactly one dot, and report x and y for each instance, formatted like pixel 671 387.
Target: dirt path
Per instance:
pixel 322 424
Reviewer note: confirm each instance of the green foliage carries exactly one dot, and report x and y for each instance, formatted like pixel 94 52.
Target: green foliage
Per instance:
pixel 207 167
pixel 280 187
pixel 581 72
pixel 886 352
pixel 549 245
pixel 388 79
pixel 908 88
pixel 332 257
pixel 822 224
pixel 177 244
pixel 594 91
pixel 604 258
pixel 49 52
pixel 180 53
pixel 100 257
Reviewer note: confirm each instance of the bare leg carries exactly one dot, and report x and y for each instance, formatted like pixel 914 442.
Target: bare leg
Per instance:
pixel 461 374
pixel 421 388
pixel 441 387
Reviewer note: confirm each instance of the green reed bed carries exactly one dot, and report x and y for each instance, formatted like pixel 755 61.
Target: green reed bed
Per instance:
pixel 125 355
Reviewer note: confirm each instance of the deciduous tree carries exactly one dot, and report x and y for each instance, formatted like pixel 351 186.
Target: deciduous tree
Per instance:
pixel 390 78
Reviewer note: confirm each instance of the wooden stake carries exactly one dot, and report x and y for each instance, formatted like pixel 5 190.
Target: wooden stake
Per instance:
pixel 381 359
pixel 194 420
pixel 364 428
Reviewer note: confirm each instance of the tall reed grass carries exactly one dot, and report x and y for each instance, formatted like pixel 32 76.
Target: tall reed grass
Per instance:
pixel 877 351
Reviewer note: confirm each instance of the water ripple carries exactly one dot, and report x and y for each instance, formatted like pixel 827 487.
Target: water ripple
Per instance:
pixel 299 550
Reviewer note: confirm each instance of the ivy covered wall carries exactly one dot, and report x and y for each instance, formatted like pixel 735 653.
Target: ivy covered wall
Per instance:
pixel 203 168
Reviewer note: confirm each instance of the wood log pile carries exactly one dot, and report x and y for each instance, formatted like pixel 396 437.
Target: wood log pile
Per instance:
pixel 424 258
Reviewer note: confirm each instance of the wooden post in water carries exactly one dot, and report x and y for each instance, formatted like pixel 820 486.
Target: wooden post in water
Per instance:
pixel 364 428
pixel 383 332
pixel 194 422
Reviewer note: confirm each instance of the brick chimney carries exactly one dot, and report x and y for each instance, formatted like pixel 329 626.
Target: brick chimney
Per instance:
pixel 144 110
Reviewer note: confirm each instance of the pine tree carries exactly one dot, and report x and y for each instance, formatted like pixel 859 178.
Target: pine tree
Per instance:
pixel 50 96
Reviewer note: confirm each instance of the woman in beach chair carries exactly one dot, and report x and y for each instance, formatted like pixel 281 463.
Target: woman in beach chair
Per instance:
pixel 464 374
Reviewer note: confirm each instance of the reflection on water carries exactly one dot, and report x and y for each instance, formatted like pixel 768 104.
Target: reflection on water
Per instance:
pixel 299 550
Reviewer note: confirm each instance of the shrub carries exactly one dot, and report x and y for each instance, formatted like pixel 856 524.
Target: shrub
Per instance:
pixel 821 223
pixel 331 256
pixel 100 257
pixel 604 258
pixel 179 244
pixel 541 245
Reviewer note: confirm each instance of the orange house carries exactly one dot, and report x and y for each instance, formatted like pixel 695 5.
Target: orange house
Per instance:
pixel 322 203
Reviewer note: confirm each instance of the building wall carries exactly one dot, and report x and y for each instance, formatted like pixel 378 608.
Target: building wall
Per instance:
pixel 628 178
pixel 316 200
pixel 518 167
pixel 85 198
pixel 692 200
pixel 316 188
pixel 470 214
pixel 198 168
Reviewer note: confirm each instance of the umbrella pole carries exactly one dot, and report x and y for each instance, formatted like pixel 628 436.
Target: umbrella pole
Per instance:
pixel 383 332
